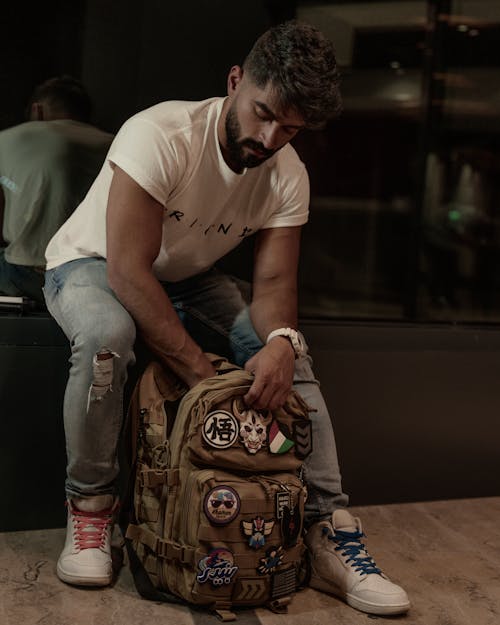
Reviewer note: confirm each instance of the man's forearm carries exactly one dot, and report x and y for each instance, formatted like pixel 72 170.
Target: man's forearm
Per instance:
pixel 157 321
pixel 274 303
pixel 274 307
pixel 273 366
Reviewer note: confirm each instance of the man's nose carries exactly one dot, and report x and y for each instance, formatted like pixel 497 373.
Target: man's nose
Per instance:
pixel 270 136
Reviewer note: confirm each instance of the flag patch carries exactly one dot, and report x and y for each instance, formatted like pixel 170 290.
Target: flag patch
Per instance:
pixel 279 442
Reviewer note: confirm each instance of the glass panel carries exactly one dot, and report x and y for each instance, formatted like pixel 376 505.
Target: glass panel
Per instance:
pixel 404 186
pixel 460 255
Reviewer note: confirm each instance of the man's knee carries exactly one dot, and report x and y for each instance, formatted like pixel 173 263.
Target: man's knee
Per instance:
pixel 104 374
pixel 104 356
pixel 103 339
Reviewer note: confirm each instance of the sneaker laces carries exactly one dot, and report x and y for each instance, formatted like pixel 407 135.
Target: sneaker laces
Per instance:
pixel 348 543
pixel 90 528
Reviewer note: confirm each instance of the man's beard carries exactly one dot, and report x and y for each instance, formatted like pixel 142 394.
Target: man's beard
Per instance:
pixel 235 145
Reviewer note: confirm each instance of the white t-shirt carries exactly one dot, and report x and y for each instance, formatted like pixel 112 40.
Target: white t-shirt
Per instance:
pixel 172 151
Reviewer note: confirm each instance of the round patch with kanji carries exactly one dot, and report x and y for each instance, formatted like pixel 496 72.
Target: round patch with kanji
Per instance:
pixel 221 505
pixel 220 429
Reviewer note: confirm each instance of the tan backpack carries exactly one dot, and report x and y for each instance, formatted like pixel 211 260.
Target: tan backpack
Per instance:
pixel 218 501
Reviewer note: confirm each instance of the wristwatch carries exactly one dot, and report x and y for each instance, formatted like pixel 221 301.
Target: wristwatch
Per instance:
pixel 293 336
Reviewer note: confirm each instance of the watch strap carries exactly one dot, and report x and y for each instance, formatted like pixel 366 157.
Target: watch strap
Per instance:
pixel 290 334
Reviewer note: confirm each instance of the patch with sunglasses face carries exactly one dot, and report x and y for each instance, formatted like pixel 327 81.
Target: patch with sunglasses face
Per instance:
pixel 221 505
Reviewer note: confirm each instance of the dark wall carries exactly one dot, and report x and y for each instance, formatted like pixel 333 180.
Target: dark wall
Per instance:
pixel 414 408
pixel 153 51
pixel 130 53
pixel 38 41
pixel 33 372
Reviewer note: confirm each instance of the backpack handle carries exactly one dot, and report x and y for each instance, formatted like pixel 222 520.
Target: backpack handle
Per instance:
pixel 221 364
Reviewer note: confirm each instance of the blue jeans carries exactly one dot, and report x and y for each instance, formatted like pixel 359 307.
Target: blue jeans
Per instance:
pixel 18 280
pixel 215 314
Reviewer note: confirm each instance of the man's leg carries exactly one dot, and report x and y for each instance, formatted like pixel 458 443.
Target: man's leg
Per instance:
pixel 321 468
pixel 340 564
pixel 211 306
pixel 101 335
pixel 215 313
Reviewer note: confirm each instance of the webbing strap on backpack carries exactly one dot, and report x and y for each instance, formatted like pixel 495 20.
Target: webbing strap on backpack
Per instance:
pixel 218 502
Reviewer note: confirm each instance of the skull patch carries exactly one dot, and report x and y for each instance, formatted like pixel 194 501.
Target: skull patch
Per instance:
pixel 253 427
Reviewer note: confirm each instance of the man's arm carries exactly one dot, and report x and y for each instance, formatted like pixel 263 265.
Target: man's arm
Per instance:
pixel 134 224
pixel 274 305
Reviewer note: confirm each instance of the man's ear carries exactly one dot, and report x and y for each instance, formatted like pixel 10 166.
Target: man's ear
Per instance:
pixel 234 79
pixel 36 112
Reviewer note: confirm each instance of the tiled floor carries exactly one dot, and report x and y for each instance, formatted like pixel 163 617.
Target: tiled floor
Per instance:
pixel 446 554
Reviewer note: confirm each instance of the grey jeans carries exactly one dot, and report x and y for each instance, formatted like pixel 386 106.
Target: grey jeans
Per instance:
pixel 215 314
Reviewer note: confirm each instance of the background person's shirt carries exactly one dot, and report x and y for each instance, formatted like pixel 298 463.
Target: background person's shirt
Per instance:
pixel 46 168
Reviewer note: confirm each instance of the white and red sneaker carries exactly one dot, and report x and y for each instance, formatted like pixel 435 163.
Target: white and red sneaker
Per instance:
pixel 86 557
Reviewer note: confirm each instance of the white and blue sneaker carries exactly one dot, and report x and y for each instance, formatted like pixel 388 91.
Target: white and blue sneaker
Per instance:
pixel 340 565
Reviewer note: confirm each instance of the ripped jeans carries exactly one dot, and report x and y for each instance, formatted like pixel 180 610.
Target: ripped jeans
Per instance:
pixel 102 336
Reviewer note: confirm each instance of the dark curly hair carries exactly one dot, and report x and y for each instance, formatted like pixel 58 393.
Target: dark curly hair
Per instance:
pixel 64 93
pixel 299 62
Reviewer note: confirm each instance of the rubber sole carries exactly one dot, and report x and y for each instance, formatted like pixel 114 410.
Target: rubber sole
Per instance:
pixel 355 602
pixel 78 580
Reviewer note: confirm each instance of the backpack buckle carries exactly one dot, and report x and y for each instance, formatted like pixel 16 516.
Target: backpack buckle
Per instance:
pixel 173 551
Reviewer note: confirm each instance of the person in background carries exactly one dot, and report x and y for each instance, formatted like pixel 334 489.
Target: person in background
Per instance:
pixel 47 165
pixel 183 184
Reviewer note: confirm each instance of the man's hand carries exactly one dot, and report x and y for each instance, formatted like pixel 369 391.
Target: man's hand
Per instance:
pixel 273 367
pixel 202 370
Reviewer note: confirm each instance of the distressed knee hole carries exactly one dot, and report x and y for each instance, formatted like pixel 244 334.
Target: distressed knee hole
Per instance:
pixel 102 374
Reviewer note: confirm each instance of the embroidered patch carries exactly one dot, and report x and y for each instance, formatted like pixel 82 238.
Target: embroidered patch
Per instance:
pixel 279 439
pixel 220 429
pixel 221 505
pixel 273 558
pixel 217 567
pixel 253 427
pixel 283 583
pixel 290 525
pixel 249 589
pixel 257 529
pixel 302 435
pixel 283 499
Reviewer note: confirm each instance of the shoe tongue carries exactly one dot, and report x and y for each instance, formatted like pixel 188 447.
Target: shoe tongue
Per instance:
pixel 94 504
pixel 344 521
